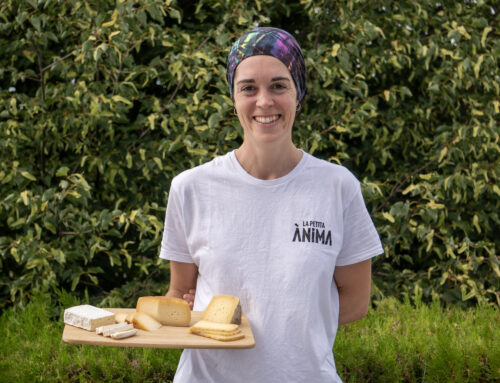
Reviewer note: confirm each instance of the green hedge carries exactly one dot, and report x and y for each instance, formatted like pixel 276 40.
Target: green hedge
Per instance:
pixel 103 102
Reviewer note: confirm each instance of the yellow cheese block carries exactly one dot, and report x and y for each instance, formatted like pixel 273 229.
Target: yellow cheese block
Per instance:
pixel 166 310
pixel 223 309
pixel 145 322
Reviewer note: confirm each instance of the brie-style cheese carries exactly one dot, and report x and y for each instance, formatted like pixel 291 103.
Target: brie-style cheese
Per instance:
pixel 88 317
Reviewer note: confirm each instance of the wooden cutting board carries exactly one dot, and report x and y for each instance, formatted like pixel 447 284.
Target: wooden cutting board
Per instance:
pixel 164 337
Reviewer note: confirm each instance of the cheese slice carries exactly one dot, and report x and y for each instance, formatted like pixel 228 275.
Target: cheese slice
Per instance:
pixel 129 318
pixel 213 326
pixel 166 310
pixel 112 328
pixel 88 317
pixel 120 317
pixel 224 338
pixel 145 322
pixel 215 332
pixel 223 309
pixel 124 334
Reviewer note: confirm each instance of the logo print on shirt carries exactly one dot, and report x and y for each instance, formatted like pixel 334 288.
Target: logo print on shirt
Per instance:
pixel 312 231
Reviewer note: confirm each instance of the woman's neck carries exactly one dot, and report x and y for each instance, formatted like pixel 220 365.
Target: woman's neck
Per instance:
pixel 268 163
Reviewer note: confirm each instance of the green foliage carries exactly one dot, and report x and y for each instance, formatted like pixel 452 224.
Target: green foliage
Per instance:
pixel 397 342
pixel 103 102
pixel 416 342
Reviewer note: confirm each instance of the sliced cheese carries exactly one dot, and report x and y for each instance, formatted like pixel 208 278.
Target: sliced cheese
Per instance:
pixel 215 332
pixel 120 317
pixel 124 334
pixel 130 317
pixel 88 317
pixel 145 322
pixel 166 310
pixel 223 309
pixel 206 325
pixel 224 338
pixel 120 326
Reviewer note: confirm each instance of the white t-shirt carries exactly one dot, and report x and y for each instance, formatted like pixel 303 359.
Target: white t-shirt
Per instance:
pixel 275 245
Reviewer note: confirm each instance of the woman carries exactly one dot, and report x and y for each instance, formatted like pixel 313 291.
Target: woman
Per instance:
pixel 285 232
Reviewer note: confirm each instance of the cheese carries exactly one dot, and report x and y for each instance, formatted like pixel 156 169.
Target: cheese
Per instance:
pixel 120 317
pixel 223 309
pixel 215 332
pixel 129 318
pixel 166 310
pixel 112 328
pixel 145 322
pixel 213 326
pixel 224 338
pixel 88 317
pixel 124 334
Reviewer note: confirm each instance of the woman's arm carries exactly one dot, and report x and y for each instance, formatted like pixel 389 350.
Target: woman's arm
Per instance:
pixel 353 283
pixel 183 278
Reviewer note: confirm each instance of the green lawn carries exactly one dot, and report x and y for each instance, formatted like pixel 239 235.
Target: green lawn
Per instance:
pixel 397 342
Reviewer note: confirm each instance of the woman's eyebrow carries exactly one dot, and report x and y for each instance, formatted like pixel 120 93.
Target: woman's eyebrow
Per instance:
pixel 280 79
pixel 251 81
pixel 245 81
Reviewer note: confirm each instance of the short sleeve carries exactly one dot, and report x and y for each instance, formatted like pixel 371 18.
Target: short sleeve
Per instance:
pixel 174 245
pixel 360 238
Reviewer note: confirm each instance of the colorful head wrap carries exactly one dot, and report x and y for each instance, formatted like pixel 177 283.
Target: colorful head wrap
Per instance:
pixel 271 42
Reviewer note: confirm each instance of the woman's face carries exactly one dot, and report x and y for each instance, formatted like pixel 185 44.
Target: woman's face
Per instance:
pixel 265 99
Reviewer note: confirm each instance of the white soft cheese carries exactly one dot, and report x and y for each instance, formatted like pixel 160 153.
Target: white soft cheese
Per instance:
pixel 112 328
pixel 88 317
pixel 124 334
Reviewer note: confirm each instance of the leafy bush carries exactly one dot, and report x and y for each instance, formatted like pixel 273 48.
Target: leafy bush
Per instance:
pixel 103 102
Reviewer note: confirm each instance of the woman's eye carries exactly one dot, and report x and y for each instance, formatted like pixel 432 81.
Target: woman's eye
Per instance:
pixel 248 88
pixel 278 86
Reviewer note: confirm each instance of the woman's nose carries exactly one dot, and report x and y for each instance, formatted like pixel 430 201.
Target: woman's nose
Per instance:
pixel 264 99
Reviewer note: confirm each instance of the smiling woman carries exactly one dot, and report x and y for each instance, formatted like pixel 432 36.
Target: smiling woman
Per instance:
pixel 231 228
pixel 266 101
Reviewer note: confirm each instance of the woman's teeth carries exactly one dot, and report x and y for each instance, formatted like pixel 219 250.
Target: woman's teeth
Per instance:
pixel 267 119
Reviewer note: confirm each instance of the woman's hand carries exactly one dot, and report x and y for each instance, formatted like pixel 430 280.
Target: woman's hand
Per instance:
pixel 189 297
pixel 183 277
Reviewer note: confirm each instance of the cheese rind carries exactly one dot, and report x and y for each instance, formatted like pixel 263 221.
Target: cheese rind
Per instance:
pixel 166 310
pixel 88 317
pixel 223 309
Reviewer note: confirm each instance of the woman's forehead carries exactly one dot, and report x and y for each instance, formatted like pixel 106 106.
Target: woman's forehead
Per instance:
pixel 261 67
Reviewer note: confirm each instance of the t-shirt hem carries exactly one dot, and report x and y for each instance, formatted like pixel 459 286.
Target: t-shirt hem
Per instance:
pixel 373 252
pixel 177 257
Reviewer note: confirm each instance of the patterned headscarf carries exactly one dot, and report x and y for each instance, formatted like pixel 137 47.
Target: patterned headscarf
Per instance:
pixel 271 42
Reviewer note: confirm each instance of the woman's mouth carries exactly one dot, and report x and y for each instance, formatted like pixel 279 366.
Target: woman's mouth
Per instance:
pixel 267 119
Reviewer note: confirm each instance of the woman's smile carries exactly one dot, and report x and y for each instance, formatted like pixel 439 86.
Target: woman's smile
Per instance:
pixel 265 99
pixel 267 119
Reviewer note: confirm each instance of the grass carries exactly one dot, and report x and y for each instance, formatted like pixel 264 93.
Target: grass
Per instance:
pixel 397 342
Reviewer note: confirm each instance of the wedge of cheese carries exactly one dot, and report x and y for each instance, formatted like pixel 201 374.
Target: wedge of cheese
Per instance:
pixel 166 310
pixel 145 322
pixel 88 317
pixel 223 309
